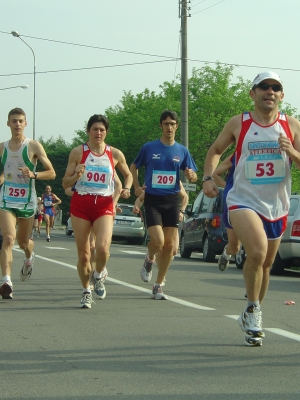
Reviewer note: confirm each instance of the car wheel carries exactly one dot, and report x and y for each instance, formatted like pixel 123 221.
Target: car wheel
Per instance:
pixel 208 254
pixel 184 252
pixel 240 258
pixel 278 265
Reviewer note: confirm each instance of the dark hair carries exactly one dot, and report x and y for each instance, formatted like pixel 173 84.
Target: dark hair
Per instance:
pixel 15 111
pixel 97 118
pixel 168 113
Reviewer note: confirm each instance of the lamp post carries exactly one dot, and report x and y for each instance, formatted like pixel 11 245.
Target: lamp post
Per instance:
pixel 16 34
pixel 13 87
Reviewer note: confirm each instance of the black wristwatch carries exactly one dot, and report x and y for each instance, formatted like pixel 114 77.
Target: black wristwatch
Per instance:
pixel 207 178
pixel 182 211
pixel 35 175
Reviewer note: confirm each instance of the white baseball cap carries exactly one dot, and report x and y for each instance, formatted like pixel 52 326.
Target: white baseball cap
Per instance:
pixel 266 75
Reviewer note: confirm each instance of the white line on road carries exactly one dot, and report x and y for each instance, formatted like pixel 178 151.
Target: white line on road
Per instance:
pixel 171 298
pixel 278 331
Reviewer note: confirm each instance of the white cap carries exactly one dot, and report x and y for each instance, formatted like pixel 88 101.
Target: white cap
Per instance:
pixel 266 75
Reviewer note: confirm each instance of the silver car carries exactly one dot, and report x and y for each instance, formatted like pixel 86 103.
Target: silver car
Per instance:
pixel 289 250
pixel 126 225
pixel 129 226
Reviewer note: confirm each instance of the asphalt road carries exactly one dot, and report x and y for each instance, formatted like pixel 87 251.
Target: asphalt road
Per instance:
pixel 129 346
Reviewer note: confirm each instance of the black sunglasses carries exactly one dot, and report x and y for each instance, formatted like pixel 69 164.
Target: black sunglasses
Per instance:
pixel 266 86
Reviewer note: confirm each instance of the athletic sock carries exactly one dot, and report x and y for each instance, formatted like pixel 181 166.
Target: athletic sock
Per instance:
pixel 7 279
pixel 254 303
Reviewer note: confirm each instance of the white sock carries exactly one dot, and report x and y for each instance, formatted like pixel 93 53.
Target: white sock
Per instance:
pixel 225 254
pixel 86 290
pixel 97 275
pixel 7 278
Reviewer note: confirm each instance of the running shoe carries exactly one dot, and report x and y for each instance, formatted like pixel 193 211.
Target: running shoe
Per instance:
pixel 98 284
pixel 146 271
pixel 250 322
pixel 223 261
pixel 86 300
pixel 6 290
pixel 253 341
pixel 157 292
pixel 48 239
pixel 26 270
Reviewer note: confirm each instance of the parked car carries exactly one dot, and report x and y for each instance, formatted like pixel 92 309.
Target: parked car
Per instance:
pixel 126 225
pixel 289 250
pixel 129 226
pixel 204 230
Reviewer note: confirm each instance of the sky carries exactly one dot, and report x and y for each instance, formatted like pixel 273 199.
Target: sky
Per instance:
pixel 126 45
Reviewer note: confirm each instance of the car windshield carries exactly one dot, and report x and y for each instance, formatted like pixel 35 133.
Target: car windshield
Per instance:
pixel 126 211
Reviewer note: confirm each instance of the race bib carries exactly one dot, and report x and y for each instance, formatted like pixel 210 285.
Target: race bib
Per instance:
pixel 163 179
pixel 96 176
pixel 48 203
pixel 265 169
pixel 16 192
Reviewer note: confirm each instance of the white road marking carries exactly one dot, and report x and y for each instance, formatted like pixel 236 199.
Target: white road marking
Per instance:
pixel 171 298
pixel 56 248
pixel 278 331
pixel 131 252
pixel 284 333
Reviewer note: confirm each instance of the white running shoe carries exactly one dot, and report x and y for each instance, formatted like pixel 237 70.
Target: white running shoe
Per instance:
pixel 98 284
pixel 86 300
pixel 26 270
pixel 157 293
pixel 146 271
pixel 250 322
pixel 223 261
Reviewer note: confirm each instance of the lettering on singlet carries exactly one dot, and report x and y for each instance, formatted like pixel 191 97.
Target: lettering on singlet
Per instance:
pixel 265 164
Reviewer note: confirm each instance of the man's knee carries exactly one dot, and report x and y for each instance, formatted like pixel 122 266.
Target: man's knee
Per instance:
pixel 8 240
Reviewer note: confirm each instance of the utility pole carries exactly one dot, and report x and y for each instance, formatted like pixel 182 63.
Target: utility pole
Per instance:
pixel 184 14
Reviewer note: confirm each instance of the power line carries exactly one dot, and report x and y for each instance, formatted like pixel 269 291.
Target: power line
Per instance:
pixel 151 62
pixel 195 5
pixel 87 68
pixel 166 58
pixel 208 7
pixel 91 47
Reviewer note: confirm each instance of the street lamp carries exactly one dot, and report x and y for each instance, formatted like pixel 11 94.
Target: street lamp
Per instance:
pixel 13 87
pixel 16 34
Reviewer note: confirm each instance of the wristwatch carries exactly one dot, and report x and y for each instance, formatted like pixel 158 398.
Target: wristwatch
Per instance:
pixel 182 211
pixel 35 175
pixel 207 178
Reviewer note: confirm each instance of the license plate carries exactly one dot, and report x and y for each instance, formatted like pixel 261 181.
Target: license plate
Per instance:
pixel 118 222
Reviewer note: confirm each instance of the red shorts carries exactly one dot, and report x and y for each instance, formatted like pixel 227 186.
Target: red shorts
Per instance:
pixel 91 207
pixel 40 217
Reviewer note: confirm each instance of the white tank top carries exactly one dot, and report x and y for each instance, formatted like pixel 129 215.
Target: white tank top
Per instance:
pixel 261 172
pixel 18 191
pixel 98 177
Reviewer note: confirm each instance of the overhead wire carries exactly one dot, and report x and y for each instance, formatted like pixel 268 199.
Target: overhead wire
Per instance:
pixel 166 58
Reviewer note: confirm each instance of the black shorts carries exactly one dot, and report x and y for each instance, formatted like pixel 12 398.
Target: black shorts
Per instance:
pixel 162 210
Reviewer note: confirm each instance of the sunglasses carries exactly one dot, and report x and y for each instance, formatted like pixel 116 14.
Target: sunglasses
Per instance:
pixel 266 86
